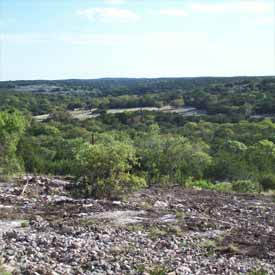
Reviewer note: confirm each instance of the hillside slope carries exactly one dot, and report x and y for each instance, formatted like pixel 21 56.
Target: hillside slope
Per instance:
pixel 162 230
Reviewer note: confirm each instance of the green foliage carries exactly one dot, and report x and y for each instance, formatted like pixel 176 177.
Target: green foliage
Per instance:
pixel 258 271
pixel 178 102
pixel 156 233
pixel 106 167
pixel 140 268
pixel 223 186
pixel 12 126
pixel 200 184
pixel 25 224
pixel 230 160
pixel 171 158
pixel 158 271
pixel 267 182
pixel 262 156
pixel 3 271
pixel 116 153
pixel 246 186
pixel 209 245
pixel 204 184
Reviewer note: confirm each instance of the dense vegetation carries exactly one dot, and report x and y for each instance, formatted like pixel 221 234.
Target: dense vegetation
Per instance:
pixel 114 153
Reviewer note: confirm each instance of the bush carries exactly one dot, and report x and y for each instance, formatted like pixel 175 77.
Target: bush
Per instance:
pixel 158 271
pixel 25 224
pixel 246 186
pixel 223 186
pixel 268 182
pixel 106 169
pixel 112 188
pixel 3 271
pixel 204 184
pixel 258 272
pixel 201 184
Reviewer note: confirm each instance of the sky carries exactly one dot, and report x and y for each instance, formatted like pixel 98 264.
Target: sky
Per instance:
pixel 60 39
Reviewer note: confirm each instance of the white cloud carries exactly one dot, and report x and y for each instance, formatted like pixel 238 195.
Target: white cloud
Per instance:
pixel 115 2
pixel 266 21
pixel 236 6
pixel 109 15
pixel 75 39
pixel 147 41
pixel 23 38
pixel 111 40
pixel 173 12
pixel 151 40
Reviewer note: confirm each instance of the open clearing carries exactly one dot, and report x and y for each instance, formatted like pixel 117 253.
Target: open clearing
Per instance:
pixel 84 114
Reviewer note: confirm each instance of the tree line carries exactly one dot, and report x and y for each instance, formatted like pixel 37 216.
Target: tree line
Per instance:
pixel 114 154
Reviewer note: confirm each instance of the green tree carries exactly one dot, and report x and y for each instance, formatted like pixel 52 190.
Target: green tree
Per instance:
pixel 12 126
pixel 106 167
pixel 171 157
pixel 149 150
pixel 178 102
pixel 262 157
pixel 230 161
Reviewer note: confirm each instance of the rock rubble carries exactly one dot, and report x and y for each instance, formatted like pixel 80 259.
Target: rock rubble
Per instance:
pixel 178 230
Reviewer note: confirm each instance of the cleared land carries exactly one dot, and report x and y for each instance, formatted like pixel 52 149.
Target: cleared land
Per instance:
pixel 84 114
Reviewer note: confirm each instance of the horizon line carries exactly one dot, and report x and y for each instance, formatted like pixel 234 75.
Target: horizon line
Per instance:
pixel 138 78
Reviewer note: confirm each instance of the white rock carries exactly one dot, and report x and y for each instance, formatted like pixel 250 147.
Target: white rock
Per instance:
pixel 161 204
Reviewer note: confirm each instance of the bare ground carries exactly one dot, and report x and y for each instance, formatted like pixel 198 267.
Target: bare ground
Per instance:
pixel 177 230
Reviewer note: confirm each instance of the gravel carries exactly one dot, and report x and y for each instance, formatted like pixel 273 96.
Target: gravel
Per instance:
pixel 176 230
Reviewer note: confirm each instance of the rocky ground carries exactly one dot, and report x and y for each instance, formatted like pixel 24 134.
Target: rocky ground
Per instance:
pixel 157 231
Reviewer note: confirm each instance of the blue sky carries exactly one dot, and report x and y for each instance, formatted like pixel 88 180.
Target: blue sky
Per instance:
pixel 58 39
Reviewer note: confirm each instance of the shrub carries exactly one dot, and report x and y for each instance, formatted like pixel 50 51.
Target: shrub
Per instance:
pixel 106 169
pixel 25 224
pixel 201 184
pixel 268 182
pixel 3 271
pixel 258 272
pixel 223 186
pixel 112 188
pixel 209 245
pixel 158 271
pixel 246 186
pixel 204 184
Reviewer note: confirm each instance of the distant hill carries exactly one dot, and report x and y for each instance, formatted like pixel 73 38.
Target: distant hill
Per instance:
pixel 116 86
